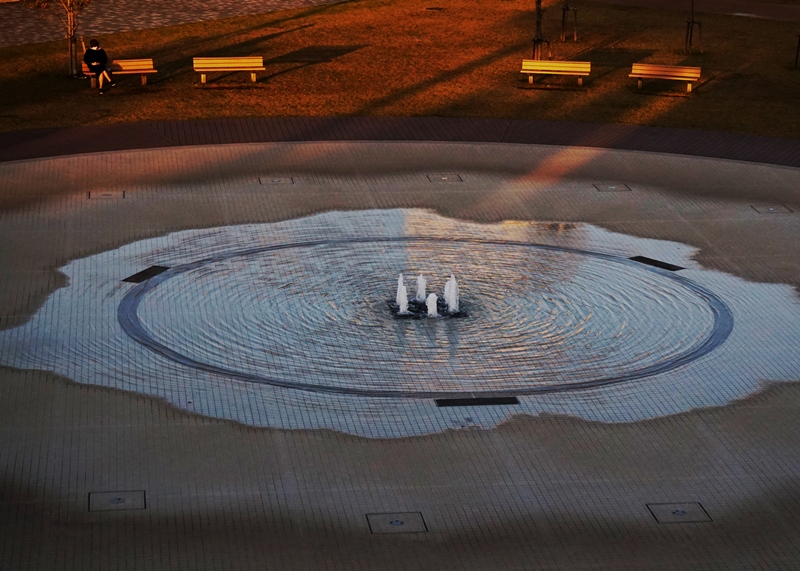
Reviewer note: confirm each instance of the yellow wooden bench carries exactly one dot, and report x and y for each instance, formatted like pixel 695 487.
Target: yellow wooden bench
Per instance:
pixel 140 67
pixel 544 67
pixel 205 65
pixel 675 72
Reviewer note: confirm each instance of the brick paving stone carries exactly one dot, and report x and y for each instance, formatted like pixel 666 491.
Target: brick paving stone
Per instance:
pixel 22 26
pixel 21 145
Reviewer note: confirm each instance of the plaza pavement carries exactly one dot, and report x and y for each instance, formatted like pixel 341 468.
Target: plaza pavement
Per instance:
pixel 544 492
pixel 22 26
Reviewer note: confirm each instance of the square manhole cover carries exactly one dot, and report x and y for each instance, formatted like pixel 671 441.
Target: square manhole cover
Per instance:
pixel 117 501
pixel 616 187
pixel 445 177
pixel 687 512
pixel 275 180
pixel 400 522
pixel 105 194
pixel 770 208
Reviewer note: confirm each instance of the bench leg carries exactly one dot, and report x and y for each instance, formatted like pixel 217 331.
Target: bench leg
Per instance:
pixel 93 82
pixel 144 80
pixel 202 78
pixel 639 83
pixel 688 88
pixel 530 79
pixel 580 81
pixel 253 77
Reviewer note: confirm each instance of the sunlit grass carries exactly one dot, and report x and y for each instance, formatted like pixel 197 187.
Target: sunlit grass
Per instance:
pixel 375 57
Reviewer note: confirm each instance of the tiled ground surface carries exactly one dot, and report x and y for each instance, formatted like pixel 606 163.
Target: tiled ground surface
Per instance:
pixel 547 492
pixel 22 26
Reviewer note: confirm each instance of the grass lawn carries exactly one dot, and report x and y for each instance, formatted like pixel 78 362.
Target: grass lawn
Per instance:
pixel 400 58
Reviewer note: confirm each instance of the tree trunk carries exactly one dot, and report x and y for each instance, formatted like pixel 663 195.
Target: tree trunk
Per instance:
pixel 72 25
pixel 538 39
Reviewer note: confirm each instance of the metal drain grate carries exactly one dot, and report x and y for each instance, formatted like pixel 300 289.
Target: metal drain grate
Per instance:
pixel 480 401
pixel 770 208
pixel 656 263
pixel 399 522
pixel 145 275
pixel 617 187
pixel 275 180
pixel 117 501
pixel 686 512
pixel 445 177
pixel 105 195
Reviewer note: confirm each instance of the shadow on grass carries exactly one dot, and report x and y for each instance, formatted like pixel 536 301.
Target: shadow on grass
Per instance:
pixel 305 57
pixel 378 104
pixel 314 54
pixel 175 57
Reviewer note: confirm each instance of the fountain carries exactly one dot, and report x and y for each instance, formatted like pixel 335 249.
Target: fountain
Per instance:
pixel 451 294
pixel 421 283
pixel 402 297
pixel 422 306
pixel 431 305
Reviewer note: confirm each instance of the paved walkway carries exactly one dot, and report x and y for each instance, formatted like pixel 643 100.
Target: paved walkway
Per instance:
pixel 22 26
pixel 22 145
pixel 96 478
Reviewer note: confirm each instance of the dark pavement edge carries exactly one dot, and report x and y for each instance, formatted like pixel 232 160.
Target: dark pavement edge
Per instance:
pixel 41 143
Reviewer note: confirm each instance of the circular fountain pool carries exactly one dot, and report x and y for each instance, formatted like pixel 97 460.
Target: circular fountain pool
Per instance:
pixel 312 315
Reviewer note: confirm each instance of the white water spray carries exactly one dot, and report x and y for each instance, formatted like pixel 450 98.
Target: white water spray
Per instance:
pixel 431 303
pixel 451 294
pixel 421 283
pixel 402 296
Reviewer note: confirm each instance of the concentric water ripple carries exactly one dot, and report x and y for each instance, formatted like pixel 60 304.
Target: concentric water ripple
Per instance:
pixel 312 315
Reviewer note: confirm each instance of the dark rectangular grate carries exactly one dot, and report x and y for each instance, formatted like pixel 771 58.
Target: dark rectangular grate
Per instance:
pixel 117 501
pixel 445 177
pixel 480 401
pixel 145 275
pixel 275 180
pixel 657 263
pixel 683 512
pixel 618 187
pixel 770 208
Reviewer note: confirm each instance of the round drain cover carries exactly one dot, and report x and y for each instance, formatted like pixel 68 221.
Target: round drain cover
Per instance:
pixel 396 522
pixel 679 512
pixel 116 501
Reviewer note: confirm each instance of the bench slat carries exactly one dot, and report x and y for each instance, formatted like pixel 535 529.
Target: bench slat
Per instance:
pixel 672 72
pixel 577 67
pixel 230 68
pixel 684 77
pixel 205 65
pixel 545 67
pixel 140 67
pixel 251 61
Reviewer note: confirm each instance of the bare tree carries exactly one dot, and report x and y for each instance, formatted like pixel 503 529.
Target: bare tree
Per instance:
pixel 65 13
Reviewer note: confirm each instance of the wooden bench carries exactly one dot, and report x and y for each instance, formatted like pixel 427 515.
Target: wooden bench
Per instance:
pixel 544 67
pixel 205 65
pixel 140 67
pixel 675 72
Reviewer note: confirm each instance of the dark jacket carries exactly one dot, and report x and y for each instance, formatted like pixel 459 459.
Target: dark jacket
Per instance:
pixel 96 60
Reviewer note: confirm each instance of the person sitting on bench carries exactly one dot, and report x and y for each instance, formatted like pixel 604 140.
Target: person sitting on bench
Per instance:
pixel 97 60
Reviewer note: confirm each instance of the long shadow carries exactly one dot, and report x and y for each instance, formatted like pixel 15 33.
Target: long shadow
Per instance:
pixel 305 57
pixel 314 54
pixel 175 66
pixel 164 57
pixel 396 96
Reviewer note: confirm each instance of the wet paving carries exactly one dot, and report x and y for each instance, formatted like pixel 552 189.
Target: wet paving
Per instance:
pixel 202 371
